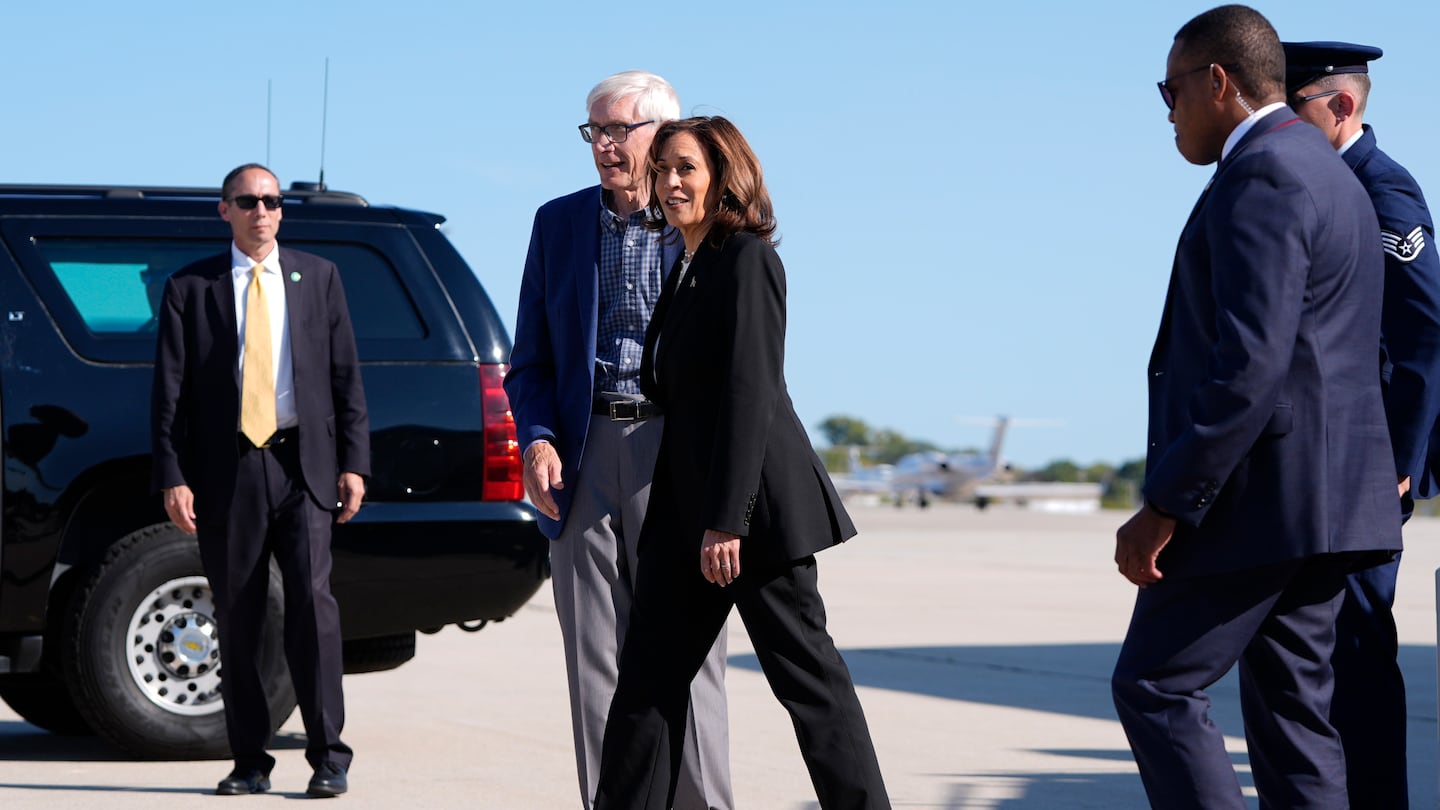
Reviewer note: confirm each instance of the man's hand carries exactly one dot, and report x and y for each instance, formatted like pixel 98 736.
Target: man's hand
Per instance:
pixel 180 506
pixel 720 557
pixel 1404 485
pixel 542 474
pixel 352 491
pixel 1138 544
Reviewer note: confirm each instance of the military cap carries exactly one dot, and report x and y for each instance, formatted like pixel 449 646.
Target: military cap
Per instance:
pixel 1307 61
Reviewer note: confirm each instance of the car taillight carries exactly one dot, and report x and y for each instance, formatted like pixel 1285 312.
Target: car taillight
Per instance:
pixel 502 447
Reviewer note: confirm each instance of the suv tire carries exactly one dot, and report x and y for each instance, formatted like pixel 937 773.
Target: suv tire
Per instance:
pixel 144 661
pixel 42 699
pixel 378 654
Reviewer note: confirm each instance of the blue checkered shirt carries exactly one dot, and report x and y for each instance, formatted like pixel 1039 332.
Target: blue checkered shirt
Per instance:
pixel 630 279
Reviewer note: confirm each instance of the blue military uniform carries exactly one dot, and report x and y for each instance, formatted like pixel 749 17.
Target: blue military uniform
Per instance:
pixel 1410 326
pixel 1368 707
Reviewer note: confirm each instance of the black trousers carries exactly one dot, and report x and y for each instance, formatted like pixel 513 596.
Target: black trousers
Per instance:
pixel 270 513
pixel 674 621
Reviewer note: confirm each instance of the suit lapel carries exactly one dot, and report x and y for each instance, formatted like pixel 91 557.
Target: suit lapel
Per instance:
pixel 658 319
pixel 292 269
pixel 585 244
pixel 222 303
pixel 685 291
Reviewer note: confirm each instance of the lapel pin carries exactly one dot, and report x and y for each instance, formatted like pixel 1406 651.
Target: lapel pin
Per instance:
pixel 692 282
pixel 294 276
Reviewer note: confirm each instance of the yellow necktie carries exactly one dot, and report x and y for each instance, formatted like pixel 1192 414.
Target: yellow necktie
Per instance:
pixel 257 381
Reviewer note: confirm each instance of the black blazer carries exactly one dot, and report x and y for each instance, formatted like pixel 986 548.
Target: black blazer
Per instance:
pixel 734 456
pixel 195 402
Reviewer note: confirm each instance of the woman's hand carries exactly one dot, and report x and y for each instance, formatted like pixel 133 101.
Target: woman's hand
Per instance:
pixel 720 557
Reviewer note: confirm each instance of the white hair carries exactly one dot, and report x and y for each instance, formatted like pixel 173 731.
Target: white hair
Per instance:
pixel 655 99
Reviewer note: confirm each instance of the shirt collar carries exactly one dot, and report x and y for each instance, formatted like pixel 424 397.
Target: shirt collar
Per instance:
pixel 240 263
pixel 1245 126
pixel 1359 133
pixel 613 221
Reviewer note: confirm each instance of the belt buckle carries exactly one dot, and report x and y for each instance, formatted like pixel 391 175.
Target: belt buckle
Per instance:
pixel 618 405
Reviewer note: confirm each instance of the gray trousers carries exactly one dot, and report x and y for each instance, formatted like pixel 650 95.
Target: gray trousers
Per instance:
pixel 593 564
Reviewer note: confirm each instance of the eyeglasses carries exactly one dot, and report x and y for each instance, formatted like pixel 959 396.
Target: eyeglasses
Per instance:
pixel 1168 96
pixel 1297 101
pixel 249 201
pixel 617 133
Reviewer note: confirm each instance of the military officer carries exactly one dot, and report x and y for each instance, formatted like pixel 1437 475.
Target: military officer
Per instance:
pixel 1328 85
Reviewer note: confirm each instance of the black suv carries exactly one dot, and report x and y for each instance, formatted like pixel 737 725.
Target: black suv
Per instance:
pixel 106 621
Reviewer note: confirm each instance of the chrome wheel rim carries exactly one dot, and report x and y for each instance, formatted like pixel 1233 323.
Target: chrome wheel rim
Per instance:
pixel 173 647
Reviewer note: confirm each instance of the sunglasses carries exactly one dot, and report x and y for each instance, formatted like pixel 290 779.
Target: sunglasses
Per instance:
pixel 1296 102
pixel 249 201
pixel 1167 93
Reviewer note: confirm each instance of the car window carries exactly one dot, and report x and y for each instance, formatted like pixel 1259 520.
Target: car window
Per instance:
pixel 116 284
pixel 380 306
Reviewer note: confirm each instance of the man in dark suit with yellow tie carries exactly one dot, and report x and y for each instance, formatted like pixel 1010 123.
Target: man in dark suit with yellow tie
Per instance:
pixel 261 440
pixel 1269 474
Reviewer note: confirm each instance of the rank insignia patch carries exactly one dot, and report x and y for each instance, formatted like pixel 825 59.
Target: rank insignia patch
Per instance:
pixel 1404 248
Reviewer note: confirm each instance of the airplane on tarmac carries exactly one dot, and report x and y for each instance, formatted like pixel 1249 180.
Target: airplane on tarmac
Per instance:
pixel 979 478
pixel 874 479
pixel 949 475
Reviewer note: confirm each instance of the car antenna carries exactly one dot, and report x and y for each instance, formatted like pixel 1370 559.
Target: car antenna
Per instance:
pixel 324 110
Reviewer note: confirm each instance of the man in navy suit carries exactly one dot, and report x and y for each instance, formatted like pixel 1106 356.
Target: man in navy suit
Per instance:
pixel 592 277
pixel 261 440
pixel 1329 86
pixel 1269 474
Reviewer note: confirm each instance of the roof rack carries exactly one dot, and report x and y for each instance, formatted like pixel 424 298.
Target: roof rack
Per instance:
pixel 311 193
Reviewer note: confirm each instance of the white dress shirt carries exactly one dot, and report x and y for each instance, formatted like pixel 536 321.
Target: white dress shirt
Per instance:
pixel 272 281
pixel 1244 126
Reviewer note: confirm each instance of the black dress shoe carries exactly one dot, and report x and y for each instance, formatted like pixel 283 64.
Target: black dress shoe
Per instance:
pixel 329 780
pixel 241 783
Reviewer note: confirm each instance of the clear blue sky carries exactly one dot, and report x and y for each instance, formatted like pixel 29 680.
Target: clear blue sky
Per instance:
pixel 979 207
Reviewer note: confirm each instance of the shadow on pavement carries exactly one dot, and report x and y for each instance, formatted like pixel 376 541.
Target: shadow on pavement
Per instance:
pixel 1074 680
pixel 1070 679
pixel 107 789
pixel 22 742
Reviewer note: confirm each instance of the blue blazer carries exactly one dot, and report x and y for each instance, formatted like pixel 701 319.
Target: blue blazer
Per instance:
pixel 552 364
pixel 1268 438
pixel 1410 351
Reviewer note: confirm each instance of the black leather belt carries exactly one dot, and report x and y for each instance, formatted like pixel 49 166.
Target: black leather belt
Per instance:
pixel 278 437
pixel 626 410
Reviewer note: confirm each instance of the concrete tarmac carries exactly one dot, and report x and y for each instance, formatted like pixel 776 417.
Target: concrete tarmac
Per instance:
pixel 981 643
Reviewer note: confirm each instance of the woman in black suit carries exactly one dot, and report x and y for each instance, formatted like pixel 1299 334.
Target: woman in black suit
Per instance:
pixel 737 489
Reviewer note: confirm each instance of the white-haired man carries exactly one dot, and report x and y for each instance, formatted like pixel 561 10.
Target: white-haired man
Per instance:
pixel 592 277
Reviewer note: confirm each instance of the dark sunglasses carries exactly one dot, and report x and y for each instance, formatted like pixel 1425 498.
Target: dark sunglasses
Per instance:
pixel 249 201
pixel 1168 95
